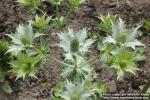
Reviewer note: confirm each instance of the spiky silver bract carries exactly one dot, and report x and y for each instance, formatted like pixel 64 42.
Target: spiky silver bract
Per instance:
pixel 124 61
pixel 123 36
pixel 74 42
pixel 76 92
pixel 22 39
pixel 26 65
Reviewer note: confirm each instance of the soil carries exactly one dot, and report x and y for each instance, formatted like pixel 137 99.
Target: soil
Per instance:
pixel 132 11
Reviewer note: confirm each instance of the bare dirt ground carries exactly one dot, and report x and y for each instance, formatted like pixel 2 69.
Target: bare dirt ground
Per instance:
pixel 132 11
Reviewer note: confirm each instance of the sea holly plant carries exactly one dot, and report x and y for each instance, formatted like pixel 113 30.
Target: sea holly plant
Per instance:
pixel 75 45
pixel 28 58
pixel 122 50
pixel 78 91
pixel 106 22
pixel 22 39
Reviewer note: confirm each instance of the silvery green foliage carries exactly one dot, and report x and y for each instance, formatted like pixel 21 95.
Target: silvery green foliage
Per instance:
pixel 123 36
pixel 26 65
pixel 76 92
pixel 123 60
pixel 74 42
pixel 31 4
pixel 75 3
pixel 59 22
pixel 85 90
pixel 41 21
pixel 22 39
pixel 106 22
pixel 78 70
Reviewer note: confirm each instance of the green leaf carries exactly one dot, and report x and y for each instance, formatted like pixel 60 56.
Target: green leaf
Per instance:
pixel 6 87
pixel 133 44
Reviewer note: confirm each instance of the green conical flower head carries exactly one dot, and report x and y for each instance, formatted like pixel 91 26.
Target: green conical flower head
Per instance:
pixel 74 45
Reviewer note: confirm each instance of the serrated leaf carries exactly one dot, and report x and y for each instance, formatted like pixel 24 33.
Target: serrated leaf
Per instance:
pixel 133 44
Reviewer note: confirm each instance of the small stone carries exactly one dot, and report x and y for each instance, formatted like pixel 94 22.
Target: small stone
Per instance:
pixel 111 86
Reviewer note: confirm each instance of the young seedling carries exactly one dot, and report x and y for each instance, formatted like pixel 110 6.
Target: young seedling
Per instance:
pixel 106 23
pixel 59 22
pixel 31 4
pixel 41 23
pixel 74 4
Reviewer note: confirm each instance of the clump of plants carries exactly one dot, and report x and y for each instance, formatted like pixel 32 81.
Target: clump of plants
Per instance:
pixel 120 50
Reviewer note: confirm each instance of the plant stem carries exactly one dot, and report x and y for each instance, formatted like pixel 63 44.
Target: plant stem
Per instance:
pixel 61 62
pixel 69 13
pixel 89 60
pixel 40 10
pixel 57 11
pixel 41 41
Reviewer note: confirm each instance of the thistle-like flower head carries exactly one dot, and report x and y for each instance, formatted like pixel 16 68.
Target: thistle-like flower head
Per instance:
pixel 74 42
pixel 41 21
pixel 76 92
pixel 123 36
pixel 26 66
pixel 22 39
pixel 125 61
